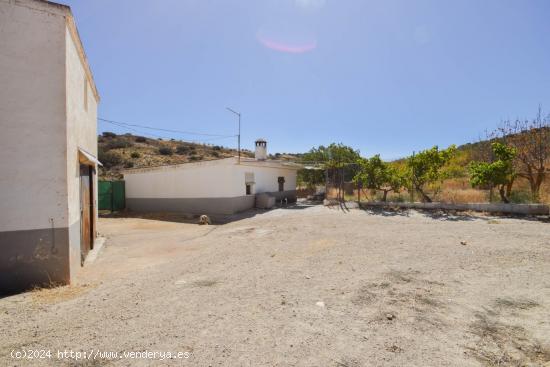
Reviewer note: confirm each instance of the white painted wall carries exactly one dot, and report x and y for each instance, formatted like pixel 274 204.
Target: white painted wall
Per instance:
pixel 81 133
pixel 211 179
pixel 32 116
pixel 81 123
pixel 266 176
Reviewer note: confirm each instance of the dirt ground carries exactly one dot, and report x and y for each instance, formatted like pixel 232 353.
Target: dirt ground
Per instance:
pixel 309 286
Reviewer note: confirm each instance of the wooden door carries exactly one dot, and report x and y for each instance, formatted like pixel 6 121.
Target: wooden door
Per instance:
pixel 86 211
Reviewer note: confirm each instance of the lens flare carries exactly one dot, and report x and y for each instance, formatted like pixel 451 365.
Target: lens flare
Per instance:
pixel 287 47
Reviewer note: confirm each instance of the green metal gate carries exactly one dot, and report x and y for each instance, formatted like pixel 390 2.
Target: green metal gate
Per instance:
pixel 111 195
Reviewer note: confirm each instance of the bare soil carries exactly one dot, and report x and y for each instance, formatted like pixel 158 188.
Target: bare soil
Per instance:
pixel 309 286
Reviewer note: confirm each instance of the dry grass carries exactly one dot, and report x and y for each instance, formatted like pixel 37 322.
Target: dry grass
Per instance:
pixel 519 304
pixel 53 294
pixel 462 196
pixel 455 191
pixel 502 344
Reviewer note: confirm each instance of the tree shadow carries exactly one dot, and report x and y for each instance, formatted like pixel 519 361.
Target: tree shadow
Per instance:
pixel 385 212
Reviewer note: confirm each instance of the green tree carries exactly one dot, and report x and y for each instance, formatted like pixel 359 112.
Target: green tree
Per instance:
pixel 332 158
pixel 499 173
pixel 426 169
pixel 375 174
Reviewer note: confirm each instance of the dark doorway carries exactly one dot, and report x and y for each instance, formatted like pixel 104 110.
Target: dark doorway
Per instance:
pixel 281 181
pixel 248 189
pixel 86 211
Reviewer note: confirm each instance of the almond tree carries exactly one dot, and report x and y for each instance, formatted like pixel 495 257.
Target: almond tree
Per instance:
pixel 531 140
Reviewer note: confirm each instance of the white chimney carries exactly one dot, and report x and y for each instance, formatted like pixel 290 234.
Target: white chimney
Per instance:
pixel 261 150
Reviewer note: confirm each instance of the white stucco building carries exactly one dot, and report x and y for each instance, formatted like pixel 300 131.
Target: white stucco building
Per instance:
pixel 222 186
pixel 48 145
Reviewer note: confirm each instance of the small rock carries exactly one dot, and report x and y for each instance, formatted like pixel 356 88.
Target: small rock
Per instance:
pixel 320 304
pixel 463 243
pixel 308 277
pixel 390 316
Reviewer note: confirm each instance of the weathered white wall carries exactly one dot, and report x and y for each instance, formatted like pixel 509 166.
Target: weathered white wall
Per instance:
pixel 193 180
pixel 32 116
pixel 214 179
pixel 266 176
pixel 81 133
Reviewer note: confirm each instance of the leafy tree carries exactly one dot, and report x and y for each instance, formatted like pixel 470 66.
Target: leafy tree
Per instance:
pixel 499 173
pixel 426 168
pixel 374 174
pixel 332 158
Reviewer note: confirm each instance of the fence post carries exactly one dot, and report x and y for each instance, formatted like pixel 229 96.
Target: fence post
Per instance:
pixel 412 180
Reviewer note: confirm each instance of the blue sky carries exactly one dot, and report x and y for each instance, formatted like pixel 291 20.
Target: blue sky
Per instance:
pixel 385 77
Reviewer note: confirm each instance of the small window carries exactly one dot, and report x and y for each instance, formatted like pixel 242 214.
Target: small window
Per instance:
pixel 85 93
pixel 248 189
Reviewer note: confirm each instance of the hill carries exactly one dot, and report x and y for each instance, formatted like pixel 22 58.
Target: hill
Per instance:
pixel 118 152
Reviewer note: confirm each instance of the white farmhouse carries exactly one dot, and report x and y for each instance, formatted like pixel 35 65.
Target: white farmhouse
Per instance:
pixel 217 187
pixel 48 116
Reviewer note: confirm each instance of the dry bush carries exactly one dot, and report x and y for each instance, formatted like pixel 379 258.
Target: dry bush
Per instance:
pixel 463 196
pixel 456 184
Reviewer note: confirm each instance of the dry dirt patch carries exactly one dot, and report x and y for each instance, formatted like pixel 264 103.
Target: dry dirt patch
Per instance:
pixel 309 287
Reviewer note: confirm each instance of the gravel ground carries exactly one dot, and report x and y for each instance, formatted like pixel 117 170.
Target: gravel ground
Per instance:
pixel 309 286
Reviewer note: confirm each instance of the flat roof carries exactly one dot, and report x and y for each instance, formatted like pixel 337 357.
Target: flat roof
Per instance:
pixel 233 160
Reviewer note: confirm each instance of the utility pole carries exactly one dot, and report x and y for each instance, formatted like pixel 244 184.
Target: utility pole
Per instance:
pixel 239 135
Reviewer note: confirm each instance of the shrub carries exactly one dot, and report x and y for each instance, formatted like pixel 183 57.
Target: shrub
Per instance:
pixel 128 164
pixel 135 155
pixel 108 134
pixel 182 149
pixel 119 144
pixel 109 159
pixel 165 151
pixel 141 139
pixel 215 154
pixel 217 147
pixel 520 197
pixel 195 158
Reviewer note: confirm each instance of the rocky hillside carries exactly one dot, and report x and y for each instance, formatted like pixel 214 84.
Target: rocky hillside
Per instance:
pixel 118 152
